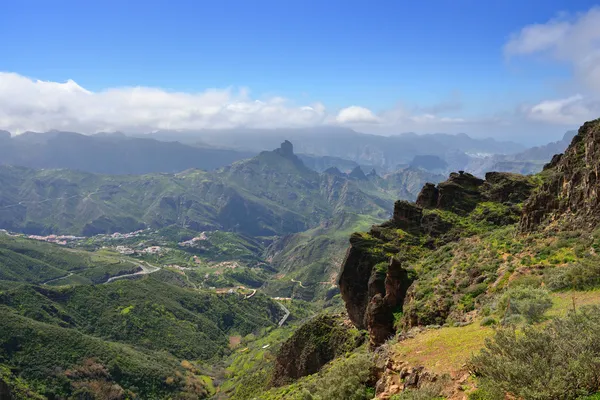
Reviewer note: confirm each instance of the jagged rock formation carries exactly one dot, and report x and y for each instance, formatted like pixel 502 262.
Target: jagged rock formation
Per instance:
pixel 375 279
pixel 357 173
pixel 460 193
pixel 334 171
pixel 569 195
pixel 312 346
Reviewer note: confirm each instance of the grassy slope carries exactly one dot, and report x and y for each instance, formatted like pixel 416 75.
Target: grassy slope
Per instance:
pixel 31 261
pixel 446 350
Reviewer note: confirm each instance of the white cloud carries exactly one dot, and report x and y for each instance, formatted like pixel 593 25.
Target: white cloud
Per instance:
pixel 27 104
pixel 356 115
pixel 574 40
pixel 571 111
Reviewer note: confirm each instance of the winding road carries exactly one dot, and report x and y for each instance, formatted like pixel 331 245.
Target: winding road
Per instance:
pixel 145 271
pixel 57 279
pixel 287 314
pixel 299 282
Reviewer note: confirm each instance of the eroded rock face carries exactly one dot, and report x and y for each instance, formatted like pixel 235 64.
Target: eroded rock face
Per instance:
pixel 505 187
pixel 460 193
pixel 569 196
pixel 385 300
pixel 407 215
pixel 373 292
pixel 313 345
pixel 428 197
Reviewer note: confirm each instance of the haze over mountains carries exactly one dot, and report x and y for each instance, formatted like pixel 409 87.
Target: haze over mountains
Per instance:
pixel 319 148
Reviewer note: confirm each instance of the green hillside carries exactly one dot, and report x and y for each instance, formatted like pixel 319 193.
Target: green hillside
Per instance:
pixel 273 193
pixel 483 289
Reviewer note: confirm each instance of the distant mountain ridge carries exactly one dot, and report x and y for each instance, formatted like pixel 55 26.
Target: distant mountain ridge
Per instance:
pixel 273 193
pixel 384 152
pixel 109 153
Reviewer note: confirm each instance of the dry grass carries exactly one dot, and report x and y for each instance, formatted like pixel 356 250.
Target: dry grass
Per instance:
pixel 446 350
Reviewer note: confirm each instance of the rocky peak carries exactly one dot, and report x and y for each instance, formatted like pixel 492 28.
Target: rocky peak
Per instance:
pixel 333 171
pixel 357 173
pixel 460 193
pixel 568 198
pixel 373 288
pixel 407 216
pixel 4 135
pixel 286 149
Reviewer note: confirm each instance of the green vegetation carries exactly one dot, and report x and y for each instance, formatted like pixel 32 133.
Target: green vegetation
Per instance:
pixel 31 261
pixel 524 301
pixel 140 332
pixel 347 377
pixel 556 361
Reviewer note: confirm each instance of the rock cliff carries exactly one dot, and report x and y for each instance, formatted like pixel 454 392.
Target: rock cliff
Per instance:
pixel 313 345
pixel 568 197
pixel 376 276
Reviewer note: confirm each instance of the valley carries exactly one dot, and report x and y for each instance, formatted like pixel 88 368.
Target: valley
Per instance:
pixel 239 283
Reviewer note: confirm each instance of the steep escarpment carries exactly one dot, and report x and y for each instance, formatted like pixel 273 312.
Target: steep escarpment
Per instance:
pixel 378 279
pixel 312 346
pixel 569 195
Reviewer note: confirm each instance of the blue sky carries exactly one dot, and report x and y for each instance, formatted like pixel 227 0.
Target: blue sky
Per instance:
pixel 441 58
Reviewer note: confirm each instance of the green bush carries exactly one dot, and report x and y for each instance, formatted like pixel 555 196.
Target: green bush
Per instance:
pixel 560 361
pixel 487 321
pixel 346 379
pixel 528 302
pixel 580 276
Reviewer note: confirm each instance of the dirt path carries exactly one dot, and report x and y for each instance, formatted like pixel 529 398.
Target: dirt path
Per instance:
pixel 57 279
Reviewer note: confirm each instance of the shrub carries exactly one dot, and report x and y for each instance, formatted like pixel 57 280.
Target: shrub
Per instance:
pixel 346 379
pixel 580 276
pixel 430 391
pixel 487 321
pixel 560 361
pixel 530 303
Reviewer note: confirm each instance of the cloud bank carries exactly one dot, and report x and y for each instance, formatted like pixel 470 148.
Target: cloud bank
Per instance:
pixel 27 104
pixel 574 41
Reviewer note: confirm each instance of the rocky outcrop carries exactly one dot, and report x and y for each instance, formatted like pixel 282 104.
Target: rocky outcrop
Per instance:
pixel 371 302
pixel 428 197
pixel 386 297
pixel 407 216
pixel 334 171
pixel 375 286
pixel 286 149
pixel 507 188
pixel 313 345
pixel 357 173
pixel 354 281
pixel 460 193
pixel 568 198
